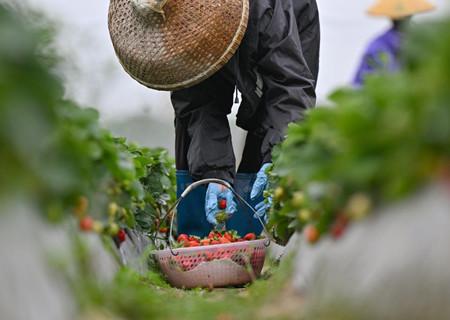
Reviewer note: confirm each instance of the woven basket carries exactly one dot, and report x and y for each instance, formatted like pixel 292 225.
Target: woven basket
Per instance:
pixel 174 44
pixel 213 266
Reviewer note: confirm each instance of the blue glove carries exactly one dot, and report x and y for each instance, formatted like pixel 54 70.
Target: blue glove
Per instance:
pixel 261 209
pixel 215 193
pixel 258 188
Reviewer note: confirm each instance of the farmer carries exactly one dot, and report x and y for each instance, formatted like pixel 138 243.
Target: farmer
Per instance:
pixel 267 49
pixel 275 69
pixel 382 54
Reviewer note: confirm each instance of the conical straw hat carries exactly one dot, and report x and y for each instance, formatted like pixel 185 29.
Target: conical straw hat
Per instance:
pixel 397 9
pixel 174 44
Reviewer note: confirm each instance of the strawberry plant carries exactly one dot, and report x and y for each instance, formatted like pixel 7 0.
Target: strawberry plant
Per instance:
pixel 372 146
pixel 57 154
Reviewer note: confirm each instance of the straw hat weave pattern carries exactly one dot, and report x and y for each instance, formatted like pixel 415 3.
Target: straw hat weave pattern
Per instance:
pixel 174 44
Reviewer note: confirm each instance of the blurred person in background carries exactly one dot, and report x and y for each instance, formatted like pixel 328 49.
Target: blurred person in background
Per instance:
pixel 275 69
pixel 382 54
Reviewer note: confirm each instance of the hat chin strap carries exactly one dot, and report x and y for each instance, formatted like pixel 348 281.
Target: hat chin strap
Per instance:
pixel 144 6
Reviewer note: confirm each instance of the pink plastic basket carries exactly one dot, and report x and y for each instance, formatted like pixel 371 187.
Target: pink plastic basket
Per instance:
pixel 213 266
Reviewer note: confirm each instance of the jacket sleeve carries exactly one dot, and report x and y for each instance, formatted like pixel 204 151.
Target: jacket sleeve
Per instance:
pixel 287 82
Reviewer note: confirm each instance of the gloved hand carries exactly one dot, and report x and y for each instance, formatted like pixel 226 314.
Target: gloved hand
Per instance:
pixel 258 188
pixel 214 194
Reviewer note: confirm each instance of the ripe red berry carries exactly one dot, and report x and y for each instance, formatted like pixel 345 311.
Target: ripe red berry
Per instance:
pixel 121 235
pixel 222 204
pixel 183 238
pixel 86 223
pixel 250 236
pixel 311 233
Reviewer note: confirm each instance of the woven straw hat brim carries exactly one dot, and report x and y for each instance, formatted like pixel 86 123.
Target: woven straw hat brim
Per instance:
pixel 397 9
pixel 192 41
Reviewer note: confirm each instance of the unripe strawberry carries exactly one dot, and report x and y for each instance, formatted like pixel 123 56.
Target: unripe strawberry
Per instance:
pixel 81 206
pixel 298 198
pixel 112 209
pixel 97 227
pixel 113 229
pixel 279 193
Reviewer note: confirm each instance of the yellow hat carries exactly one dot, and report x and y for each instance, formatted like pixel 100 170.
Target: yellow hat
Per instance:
pixel 397 9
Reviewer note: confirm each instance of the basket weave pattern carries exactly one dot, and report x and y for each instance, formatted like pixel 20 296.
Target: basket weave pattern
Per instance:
pixel 190 42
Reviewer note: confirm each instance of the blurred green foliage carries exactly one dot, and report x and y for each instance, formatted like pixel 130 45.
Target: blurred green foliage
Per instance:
pixel 373 145
pixel 133 296
pixel 57 153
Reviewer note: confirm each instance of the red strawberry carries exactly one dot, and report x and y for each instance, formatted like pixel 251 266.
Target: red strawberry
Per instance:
pixel 193 244
pixel 163 230
pixel 250 236
pixel 205 242
pixel 339 226
pixel 185 244
pixel 228 236
pixel 86 223
pixel 121 235
pixel 183 237
pixel 215 242
pixel 311 233
pixel 222 204
pixel 224 240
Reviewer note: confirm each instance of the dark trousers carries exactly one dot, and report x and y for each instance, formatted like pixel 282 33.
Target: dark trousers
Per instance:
pixel 202 133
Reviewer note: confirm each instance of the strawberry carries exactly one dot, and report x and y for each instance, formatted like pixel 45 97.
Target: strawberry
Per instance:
pixel 339 226
pixel 86 223
pixel 205 242
pixel 97 227
pixel 113 229
pixel 224 240
pixel 163 230
pixel 311 233
pixel 194 238
pixel 211 235
pixel 81 206
pixel 215 242
pixel 185 244
pixel 121 235
pixel 222 204
pixel 222 217
pixel 183 237
pixel 193 244
pixel 250 236
pixel 228 236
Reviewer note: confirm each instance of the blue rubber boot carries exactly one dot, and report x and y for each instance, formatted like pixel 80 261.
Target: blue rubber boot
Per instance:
pixel 191 216
pixel 242 221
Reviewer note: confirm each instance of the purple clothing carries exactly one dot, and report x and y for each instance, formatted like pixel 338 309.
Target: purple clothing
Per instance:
pixel 381 55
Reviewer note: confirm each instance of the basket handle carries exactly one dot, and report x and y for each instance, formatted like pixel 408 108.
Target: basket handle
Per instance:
pixel 195 185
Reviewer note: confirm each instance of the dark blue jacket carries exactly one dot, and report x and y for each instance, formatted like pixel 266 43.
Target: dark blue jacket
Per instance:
pixel 275 69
